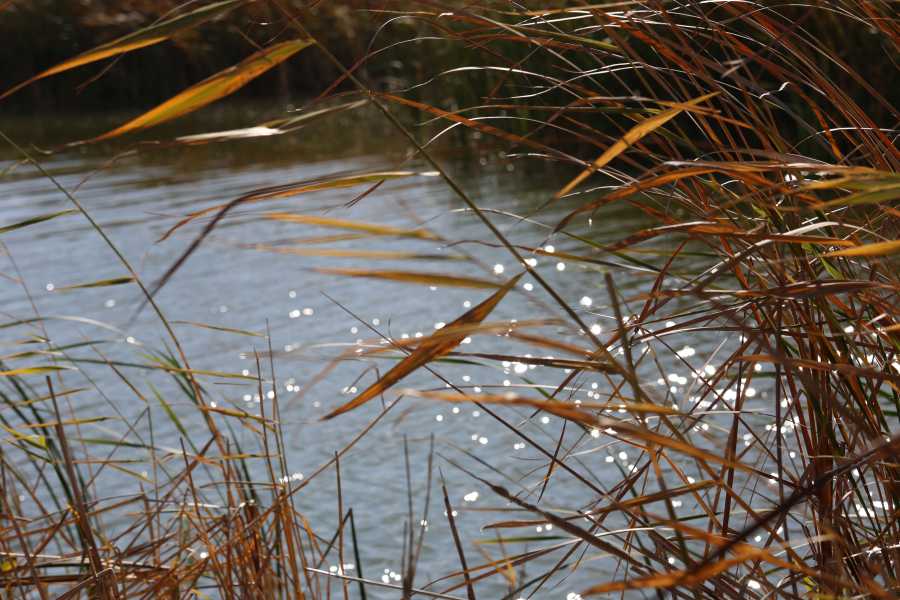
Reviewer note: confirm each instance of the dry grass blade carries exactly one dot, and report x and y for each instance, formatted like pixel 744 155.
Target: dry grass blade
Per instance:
pixel 104 283
pixel 218 328
pixel 725 230
pixel 34 370
pixel 139 39
pixel 35 220
pixel 720 416
pixel 373 228
pixel 581 412
pixel 429 349
pixel 877 249
pixel 293 190
pixel 209 90
pixel 473 124
pixel 432 279
pixel 269 128
pixel 637 132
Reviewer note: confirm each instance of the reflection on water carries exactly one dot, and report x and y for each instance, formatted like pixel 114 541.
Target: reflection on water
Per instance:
pixel 256 274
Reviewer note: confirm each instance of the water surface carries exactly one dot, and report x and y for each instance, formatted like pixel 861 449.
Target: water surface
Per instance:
pixel 241 278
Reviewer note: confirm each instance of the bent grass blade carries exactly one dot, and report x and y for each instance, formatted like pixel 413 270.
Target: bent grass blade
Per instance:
pixel 214 88
pixel 139 39
pixel 429 349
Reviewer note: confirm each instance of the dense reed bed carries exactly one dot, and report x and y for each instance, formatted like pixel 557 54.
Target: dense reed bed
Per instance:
pixel 769 166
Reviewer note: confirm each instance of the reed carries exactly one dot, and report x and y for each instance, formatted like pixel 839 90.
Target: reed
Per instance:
pixel 756 138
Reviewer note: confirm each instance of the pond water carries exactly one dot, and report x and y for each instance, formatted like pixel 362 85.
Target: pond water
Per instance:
pixel 245 278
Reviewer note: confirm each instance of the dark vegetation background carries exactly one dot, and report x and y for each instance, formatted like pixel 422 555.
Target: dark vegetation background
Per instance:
pixel 42 33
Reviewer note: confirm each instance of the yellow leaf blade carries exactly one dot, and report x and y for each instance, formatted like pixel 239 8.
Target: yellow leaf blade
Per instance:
pixel 118 281
pixel 218 86
pixel 879 249
pixel 34 370
pixel 633 135
pixel 139 39
pixel 75 422
pixel 35 220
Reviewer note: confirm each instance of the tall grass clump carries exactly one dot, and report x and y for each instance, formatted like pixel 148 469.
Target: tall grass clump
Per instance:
pixel 755 141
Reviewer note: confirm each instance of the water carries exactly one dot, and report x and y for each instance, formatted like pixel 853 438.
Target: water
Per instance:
pixel 232 281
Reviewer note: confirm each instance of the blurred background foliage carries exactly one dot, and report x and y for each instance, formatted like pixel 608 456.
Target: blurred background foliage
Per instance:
pixel 42 33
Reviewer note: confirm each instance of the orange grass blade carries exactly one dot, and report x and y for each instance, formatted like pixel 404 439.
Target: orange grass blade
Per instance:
pixel 209 90
pixel 634 134
pixel 139 39
pixel 429 349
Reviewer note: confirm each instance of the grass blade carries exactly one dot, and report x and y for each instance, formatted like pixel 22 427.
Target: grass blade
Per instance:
pixel 107 282
pixel 138 39
pixel 432 279
pixel 35 220
pixel 429 349
pixel 209 90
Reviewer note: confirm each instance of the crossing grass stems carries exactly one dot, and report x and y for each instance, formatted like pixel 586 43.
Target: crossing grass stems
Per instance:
pixel 742 128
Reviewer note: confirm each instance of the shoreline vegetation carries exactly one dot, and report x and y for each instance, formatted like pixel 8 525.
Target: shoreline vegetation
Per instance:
pixel 760 138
